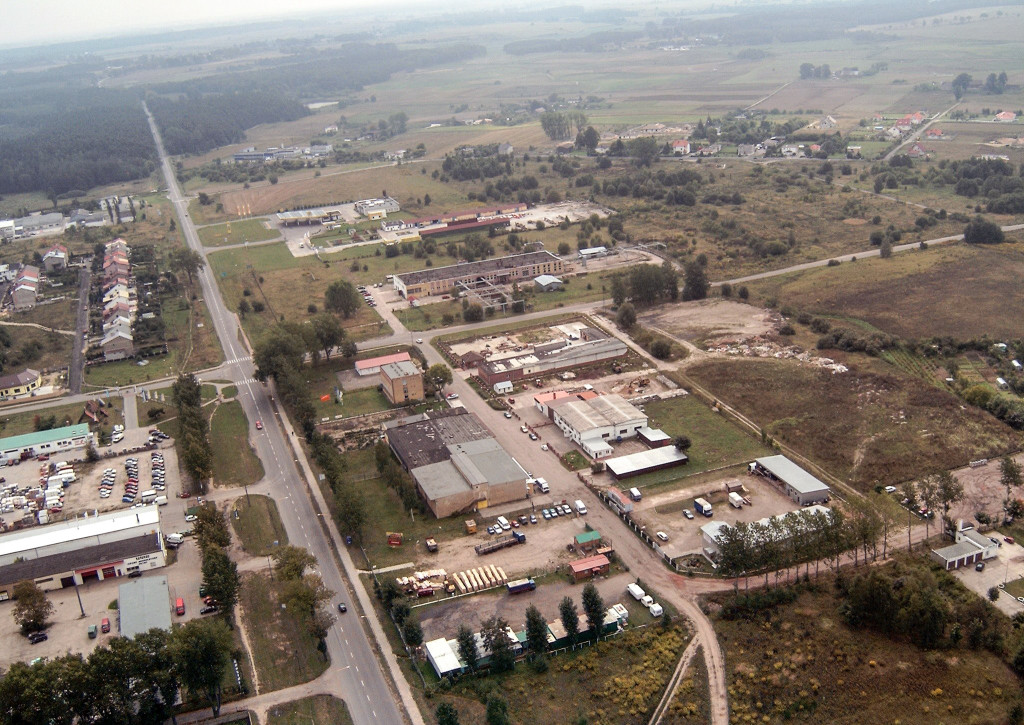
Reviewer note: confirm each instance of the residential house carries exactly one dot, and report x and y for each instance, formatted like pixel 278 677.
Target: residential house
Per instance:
pixel 17 384
pixel 1006 116
pixel 681 147
pixel 25 288
pixel 827 122
pixel 745 149
pixel 117 345
pixel 791 150
pixel 917 151
pixel 56 258
pixel 506 149
pixel 933 133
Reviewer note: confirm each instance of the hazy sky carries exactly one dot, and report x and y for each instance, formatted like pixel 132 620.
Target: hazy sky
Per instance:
pixel 30 22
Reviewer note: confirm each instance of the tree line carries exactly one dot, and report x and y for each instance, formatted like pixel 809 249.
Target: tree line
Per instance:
pixel 193 428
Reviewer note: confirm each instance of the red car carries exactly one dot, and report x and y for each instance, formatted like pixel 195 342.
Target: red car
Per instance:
pixel 184 494
pixel 1008 539
pixel 259 425
pixel 105 625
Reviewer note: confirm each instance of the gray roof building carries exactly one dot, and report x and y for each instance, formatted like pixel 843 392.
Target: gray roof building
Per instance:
pixel 143 604
pixel 800 485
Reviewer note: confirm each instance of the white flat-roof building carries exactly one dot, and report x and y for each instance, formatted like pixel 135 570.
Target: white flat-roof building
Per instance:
pixel 636 464
pixel 90 548
pixel 443 656
pixel 50 441
pixel 798 484
pixel 143 604
pixel 970 547
pixel 593 423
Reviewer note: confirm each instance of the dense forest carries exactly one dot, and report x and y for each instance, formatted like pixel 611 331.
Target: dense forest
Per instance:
pixel 61 134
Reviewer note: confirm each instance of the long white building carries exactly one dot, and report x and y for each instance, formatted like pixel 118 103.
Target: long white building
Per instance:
pixel 594 422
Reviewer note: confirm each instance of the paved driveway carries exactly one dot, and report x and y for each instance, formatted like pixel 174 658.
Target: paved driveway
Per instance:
pixel 1007 566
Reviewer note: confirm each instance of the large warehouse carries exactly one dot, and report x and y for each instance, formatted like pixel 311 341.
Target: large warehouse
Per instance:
pixel 547 362
pixel 51 441
pixel 456 463
pixel 637 464
pixel 501 270
pixel 797 483
pixel 91 548
pixel 593 423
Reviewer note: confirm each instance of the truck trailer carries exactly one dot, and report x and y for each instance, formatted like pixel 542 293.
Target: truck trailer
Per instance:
pixel 500 543
pixel 735 500
pixel 702 507
pixel 521 585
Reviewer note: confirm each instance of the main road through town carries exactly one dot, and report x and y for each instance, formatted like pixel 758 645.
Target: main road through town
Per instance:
pixel 365 687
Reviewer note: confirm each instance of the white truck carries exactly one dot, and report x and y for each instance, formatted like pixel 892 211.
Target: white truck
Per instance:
pixel 735 500
pixel 581 508
pixel 635 591
pixel 149 496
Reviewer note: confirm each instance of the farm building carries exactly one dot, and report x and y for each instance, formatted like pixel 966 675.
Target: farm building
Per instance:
pixel 85 549
pixel 636 464
pixel 456 463
pixel 970 548
pixel 50 441
pixel 592 423
pixel 567 357
pixel 143 604
pixel 798 484
pixel 500 270
pixel 401 381
pixel 372 366
pixel 15 384
pixel 589 567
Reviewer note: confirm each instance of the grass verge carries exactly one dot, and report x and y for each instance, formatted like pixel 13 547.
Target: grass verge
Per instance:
pixel 257 524
pixel 236 463
pixel 315 710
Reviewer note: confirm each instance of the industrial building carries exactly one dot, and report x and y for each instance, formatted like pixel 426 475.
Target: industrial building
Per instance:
pixel 568 356
pixel 592 423
pixel 636 464
pixel 401 382
pixel 500 270
pixel 797 483
pixel 143 604
pixel 307 216
pixel 455 462
pixel 18 384
pixel 387 205
pixel 711 533
pixel 55 440
pixel 372 365
pixel 80 550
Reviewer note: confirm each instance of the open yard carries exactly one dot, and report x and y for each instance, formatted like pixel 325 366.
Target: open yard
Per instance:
pixel 14 424
pixel 618 682
pixel 237 232
pixel 801 663
pixel 977 288
pixel 284 652
pixel 257 525
pixel 872 425
pixel 315 710
pixel 235 463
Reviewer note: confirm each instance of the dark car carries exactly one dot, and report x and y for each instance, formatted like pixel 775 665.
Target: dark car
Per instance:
pixel 208 609
pixel 135 573
pixel 342 607
pixel 980 566
pixel 37 637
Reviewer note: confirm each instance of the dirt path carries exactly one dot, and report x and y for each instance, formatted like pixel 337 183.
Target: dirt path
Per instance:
pixel 673 683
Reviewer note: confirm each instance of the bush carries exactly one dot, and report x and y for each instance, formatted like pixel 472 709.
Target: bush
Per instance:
pixel 661 349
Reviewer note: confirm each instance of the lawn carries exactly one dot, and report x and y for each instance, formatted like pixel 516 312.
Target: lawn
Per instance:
pixel 283 651
pixel 800 663
pixel 25 422
pixel 207 393
pixel 873 425
pixel 315 710
pixel 235 462
pixel 354 402
pixel 257 524
pixel 716 441
pixel 977 288
pixel 237 232
pixel 617 682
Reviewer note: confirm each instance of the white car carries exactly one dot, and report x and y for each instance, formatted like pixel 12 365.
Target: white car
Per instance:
pixel 117 437
pixel 191 517
pixel 419 340
pixel 661 535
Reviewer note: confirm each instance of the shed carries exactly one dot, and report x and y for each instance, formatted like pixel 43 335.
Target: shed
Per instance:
pixel 503 387
pixel 547 283
pixel 589 567
pixel 587 541
pixel 443 656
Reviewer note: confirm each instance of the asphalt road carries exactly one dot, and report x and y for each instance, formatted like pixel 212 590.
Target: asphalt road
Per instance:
pixel 362 684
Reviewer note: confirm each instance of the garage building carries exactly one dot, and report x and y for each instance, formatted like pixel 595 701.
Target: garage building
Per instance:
pixel 636 464
pixel 797 483
pixel 90 548
pixel 970 548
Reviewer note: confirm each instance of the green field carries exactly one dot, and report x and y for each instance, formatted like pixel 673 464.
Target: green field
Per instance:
pixel 258 524
pixel 354 402
pixel 716 441
pixel 284 652
pixel 237 232
pixel 315 710
pixel 235 462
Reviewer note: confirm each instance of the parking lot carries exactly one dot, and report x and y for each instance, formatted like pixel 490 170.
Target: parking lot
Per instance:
pixel 1006 566
pixel 68 631
pixel 664 511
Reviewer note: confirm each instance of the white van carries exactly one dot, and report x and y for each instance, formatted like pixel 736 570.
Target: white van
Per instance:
pixel 504 524
pixel 581 508
pixel 542 485
pixel 160 500
pixel 174 540
pixel 634 493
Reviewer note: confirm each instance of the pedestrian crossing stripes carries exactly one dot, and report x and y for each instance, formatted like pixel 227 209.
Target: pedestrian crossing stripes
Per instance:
pixel 245 358
pixel 247 381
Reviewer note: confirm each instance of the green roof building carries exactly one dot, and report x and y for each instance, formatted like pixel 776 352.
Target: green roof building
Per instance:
pixel 52 441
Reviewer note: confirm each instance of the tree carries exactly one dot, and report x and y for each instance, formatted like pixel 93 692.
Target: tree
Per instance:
pixel 446 714
pixel 696 284
pixel 806 71
pixel 473 313
pixel 495 636
pixel 439 375
pixel 960 85
pixel 618 290
pixel 948 491
pixel 1010 478
pixel 31 607
pixel 536 633
pixel 159 677
pixel 570 619
pixel 683 443
pixel 557 126
pixel 626 316
pixel 467 647
pixel 928 490
pixel 497 711
pixel 291 562
pixel 593 607
pixel 279 350
pixel 328 331
pixel 993 593
pixel 644 150
pixel 188 261
pixel 220 577
pixel 343 298
pixel 591 138
pixel 201 650
pixel 211 527
pixel 885 249
pixel 412 632
pixel 981 231
pixel 51 691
